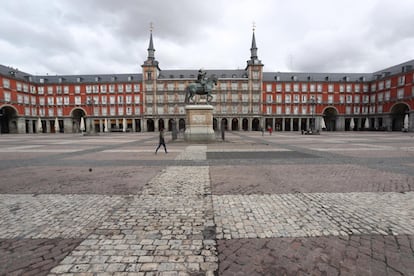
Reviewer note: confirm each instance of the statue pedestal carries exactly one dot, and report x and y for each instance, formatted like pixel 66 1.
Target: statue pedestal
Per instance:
pixel 199 126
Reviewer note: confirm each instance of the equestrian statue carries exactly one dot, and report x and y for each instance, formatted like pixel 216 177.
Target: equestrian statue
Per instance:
pixel 203 86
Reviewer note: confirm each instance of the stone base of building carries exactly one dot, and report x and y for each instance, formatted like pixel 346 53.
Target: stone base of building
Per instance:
pixel 199 126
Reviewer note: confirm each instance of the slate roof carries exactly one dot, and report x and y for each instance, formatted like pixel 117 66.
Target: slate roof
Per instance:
pixel 192 74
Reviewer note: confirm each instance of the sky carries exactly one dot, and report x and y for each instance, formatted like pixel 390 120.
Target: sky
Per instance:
pixel 69 37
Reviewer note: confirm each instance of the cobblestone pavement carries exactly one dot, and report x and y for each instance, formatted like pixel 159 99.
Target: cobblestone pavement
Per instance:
pixel 286 204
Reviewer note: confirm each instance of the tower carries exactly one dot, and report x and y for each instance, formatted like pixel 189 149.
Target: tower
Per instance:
pixel 255 72
pixel 150 72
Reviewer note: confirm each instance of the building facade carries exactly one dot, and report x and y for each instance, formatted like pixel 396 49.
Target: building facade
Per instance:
pixel 244 99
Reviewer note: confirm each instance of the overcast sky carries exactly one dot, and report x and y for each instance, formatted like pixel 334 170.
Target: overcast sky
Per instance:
pixel 111 36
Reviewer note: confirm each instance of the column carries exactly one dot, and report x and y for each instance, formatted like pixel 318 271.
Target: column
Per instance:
pixel 300 124
pixel 283 124
pixel 291 124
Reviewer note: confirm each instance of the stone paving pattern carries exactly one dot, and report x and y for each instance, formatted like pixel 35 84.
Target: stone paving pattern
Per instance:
pixel 336 204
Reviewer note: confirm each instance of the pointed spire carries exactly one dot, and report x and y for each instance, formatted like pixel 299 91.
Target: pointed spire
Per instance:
pixel 151 49
pixel 253 49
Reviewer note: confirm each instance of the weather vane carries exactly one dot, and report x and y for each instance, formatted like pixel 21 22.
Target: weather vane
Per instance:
pixel 254 26
pixel 151 27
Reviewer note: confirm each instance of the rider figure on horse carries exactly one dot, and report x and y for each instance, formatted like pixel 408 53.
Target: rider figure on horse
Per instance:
pixel 201 78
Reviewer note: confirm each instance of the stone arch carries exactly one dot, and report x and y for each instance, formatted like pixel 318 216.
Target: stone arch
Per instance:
pixel 234 124
pixel 8 119
pixel 76 115
pixel 256 124
pixel 330 115
pixel 398 111
pixel 245 124
pixel 150 125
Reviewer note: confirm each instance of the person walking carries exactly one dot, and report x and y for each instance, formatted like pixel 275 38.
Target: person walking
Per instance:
pixel 161 142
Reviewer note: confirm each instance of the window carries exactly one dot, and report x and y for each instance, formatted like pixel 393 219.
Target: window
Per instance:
pixel 388 84
pixel 95 89
pixel 269 109
pixel 381 85
pixel 330 99
pixel 148 98
pixel 278 109
pixel 128 88
pixel 89 89
pixel 319 87
pixel 120 110
pixel 120 99
pixel 295 87
pixel 58 89
pixel 59 100
pixel 287 109
pixel 128 99
pixel 365 88
pixel 356 98
pixel 348 99
pixel 19 99
pixel 137 88
pixel 400 93
pixel 401 80
pixel 33 100
pixel 66 100
pixel 41 90
pixel 304 87
pixel 50 111
pixel 160 98
pixel 255 75
pixel 312 88
pixel 287 98
pixel 137 110
pixel 234 86
pixel 181 86
pixel 330 88
pixel 137 99
pixel 50 90
pixel 66 89
pixel 279 87
pixel 18 86
pixel 104 111
pixel 296 110
pixel 7 96
pixel 26 88
pixel 380 97
pixel 160 86
pixel 50 101
pixel 256 86
pixel 296 99
pixel 42 101
pixel 268 88
pixel 103 99
pixel 349 88
pixel 269 98
pixel 77 89
pixel 112 100
pixel 78 100
pixel 304 98
pixel 103 88
pixel 112 88
pixel 341 88
pixel 373 87
pixel 245 86
pixel 6 83
pixel 279 98
pixel 304 109
pixel 112 111
pixel 357 88
pixel 120 88
pixel 287 87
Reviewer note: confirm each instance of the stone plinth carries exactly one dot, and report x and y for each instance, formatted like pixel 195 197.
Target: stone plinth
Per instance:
pixel 199 127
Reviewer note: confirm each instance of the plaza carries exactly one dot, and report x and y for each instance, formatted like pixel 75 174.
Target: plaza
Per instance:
pixel 280 204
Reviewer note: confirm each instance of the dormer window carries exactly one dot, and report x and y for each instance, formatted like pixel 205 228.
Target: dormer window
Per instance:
pixel 113 78
pixel 97 79
pixel 130 78
pixel 78 79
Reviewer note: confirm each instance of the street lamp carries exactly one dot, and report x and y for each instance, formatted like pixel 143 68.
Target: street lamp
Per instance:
pixel 312 103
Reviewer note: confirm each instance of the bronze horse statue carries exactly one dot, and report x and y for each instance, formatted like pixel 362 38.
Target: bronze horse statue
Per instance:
pixel 196 88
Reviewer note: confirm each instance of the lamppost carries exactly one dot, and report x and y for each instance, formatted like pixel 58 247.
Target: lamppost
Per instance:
pixel 312 103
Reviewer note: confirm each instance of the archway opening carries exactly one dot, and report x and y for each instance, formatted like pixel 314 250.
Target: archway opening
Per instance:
pixel 256 124
pixel 245 124
pixel 77 114
pixel 235 124
pixel 330 115
pixel 398 113
pixel 8 116
pixel 150 125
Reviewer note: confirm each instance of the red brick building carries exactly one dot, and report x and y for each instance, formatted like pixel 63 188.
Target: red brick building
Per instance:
pixel 246 99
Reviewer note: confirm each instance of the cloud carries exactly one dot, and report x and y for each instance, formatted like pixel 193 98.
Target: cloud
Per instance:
pixel 106 36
